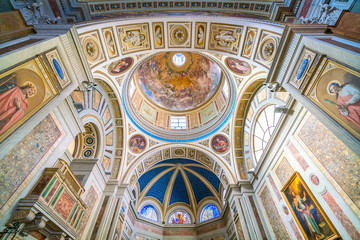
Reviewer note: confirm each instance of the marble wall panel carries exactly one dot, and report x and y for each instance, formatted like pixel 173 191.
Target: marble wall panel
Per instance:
pixel 345 221
pixel 273 215
pixel 64 205
pixel 257 217
pixel 90 201
pixel 284 171
pixel 24 157
pixel 338 160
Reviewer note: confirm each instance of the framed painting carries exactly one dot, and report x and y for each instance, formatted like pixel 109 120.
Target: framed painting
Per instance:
pixel 23 91
pixel 311 218
pixel 336 90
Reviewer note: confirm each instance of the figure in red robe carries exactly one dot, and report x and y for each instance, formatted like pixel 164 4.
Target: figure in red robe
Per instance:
pixel 13 102
pixel 348 101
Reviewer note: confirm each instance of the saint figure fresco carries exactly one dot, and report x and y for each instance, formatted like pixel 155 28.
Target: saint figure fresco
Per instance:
pixel 137 143
pixel 13 100
pixel 338 92
pixel 120 66
pixel 220 144
pixel 347 101
pixel 237 66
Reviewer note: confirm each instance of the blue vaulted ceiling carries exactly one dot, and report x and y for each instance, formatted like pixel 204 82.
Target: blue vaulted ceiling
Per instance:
pixel 179 181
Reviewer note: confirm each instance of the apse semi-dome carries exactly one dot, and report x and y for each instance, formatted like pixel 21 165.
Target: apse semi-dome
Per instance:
pixel 177 96
pixel 179 184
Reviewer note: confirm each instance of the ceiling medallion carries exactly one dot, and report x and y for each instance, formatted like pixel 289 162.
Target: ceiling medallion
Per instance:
pixel 91 48
pixel 179 34
pixel 268 49
pixel 178 61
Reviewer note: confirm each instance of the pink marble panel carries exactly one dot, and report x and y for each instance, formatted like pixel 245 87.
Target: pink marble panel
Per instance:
pixel 298 156
pixel 345 221
pixel 273 215
pixel 64 205
pixel 295 230
pixel 273 185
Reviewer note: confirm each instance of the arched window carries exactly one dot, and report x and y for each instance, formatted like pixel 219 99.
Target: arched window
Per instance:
pixel 149 212
pixel 264 127
pixel 179 217
pixel 210 211
pixel 262 118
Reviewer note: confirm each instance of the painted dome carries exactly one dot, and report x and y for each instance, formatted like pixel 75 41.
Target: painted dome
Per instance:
pixel 177 96
pixel 178 81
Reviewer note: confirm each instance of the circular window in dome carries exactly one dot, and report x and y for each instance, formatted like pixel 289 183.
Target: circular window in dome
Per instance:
pixel 179 59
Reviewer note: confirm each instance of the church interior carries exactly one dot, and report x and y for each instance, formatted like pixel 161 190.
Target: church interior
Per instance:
pixel 209 120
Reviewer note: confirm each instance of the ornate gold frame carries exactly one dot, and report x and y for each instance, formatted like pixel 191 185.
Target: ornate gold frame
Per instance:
pixel 335 234
pixel 325 66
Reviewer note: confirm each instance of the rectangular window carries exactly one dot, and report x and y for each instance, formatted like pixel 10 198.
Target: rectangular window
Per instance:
pixel 178 122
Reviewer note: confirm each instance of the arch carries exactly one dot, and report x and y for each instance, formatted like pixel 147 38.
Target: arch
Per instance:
pixel 87 144
pixel 263 104
pixel 248 88
pixel 155 155
pixel 97 106
pixel 261 33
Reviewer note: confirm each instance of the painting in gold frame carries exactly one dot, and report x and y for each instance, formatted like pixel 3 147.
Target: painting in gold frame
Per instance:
pixel 23 91
pixel 308 214
pixel 336 90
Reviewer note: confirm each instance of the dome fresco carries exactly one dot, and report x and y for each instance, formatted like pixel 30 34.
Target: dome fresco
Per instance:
pixel 186 182
pixel 178 81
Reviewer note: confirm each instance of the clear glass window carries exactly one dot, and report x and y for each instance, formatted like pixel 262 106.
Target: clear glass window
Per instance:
pixel 178 122
pixel 264 127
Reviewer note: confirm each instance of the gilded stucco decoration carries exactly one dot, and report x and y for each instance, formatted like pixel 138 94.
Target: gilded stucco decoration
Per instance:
pixel 177 152
pixel 267 48
pixel 134 37
pixel 92 47
pixel 200 34
pixel 249 43
pixel 179 34
pixel 304 69
pixel 225 37
pixel 158 35
pixel 110 43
